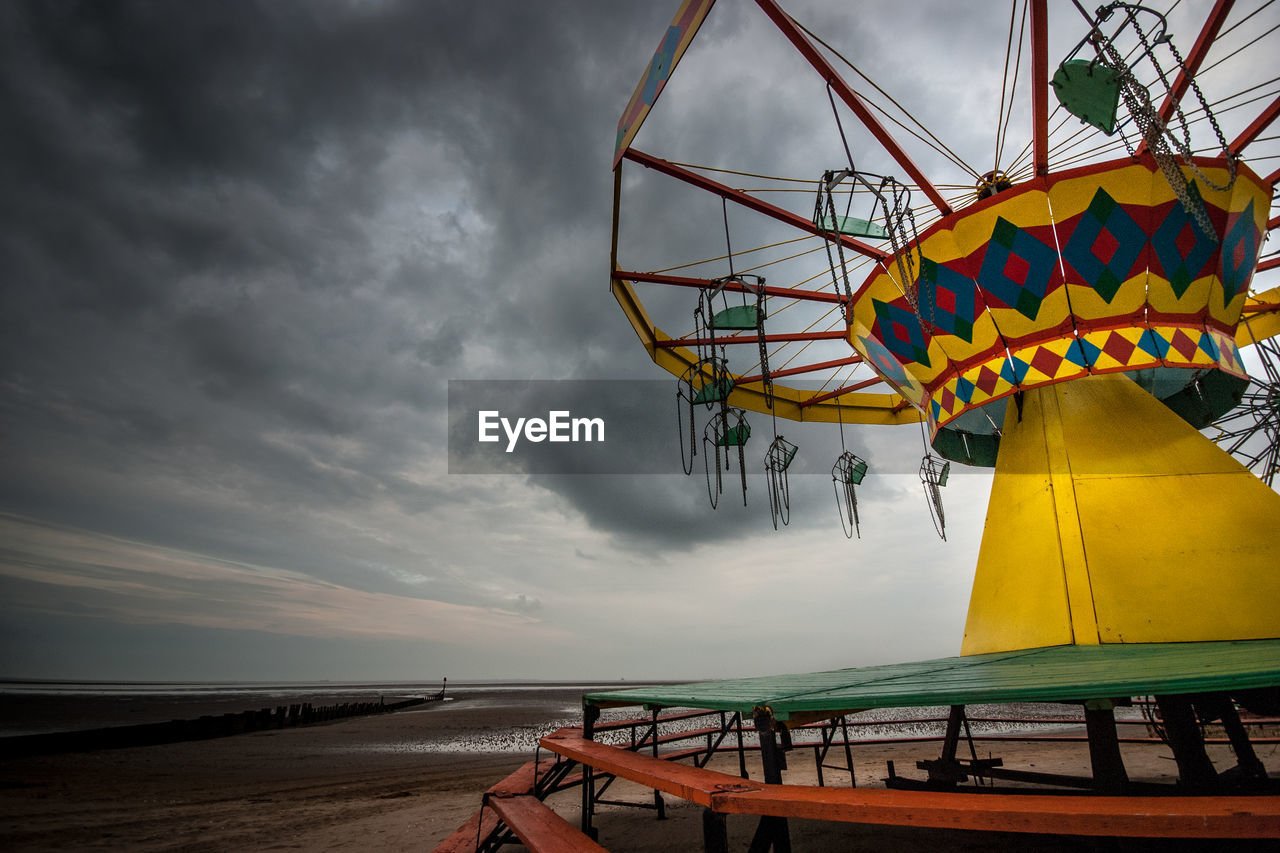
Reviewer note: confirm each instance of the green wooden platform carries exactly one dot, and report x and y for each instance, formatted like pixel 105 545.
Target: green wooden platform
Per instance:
pixel 1049 674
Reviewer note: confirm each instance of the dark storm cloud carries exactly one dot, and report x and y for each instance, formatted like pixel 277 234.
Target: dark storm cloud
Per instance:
pixel 237 234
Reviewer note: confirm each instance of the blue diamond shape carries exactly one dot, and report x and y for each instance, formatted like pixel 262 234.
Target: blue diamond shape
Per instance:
pixel 1147 343
pixel 1241 241
pixel 884 362
pixel 899 329
pixel 1104 214
pixel 1009 241
pixel 964 390
pixel 1178 269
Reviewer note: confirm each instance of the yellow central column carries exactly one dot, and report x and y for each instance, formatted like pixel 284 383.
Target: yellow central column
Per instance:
pixel 1112 520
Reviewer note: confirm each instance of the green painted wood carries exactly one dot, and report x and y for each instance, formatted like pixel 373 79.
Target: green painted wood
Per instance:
pixel 1048 674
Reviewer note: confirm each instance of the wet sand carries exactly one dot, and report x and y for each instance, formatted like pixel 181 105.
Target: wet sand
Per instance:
pixel 405 781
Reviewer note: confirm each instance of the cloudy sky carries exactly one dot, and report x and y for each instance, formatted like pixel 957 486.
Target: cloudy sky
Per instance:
pixel 247 247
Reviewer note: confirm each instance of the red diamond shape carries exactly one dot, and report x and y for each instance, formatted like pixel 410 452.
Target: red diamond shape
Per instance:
pixel 1016 270
pixel 1186 240
pixel 1104 248
pixel 947 400
pixel 900 331
pixel 946 301
pixel 1184 344
pixel 1237 257
pixel 1046 361
pixel 987 380
pixel 1119 347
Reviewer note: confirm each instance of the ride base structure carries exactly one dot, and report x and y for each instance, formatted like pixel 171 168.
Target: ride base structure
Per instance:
pixel 1076 331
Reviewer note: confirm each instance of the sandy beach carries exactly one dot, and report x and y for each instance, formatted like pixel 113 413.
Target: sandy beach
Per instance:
pixel 405 781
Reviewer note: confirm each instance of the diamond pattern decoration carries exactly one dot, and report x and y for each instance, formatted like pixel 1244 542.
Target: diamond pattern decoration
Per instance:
pixel 1186 347
pixel 1119 349
pixel 1017 269
pixel 1050 361
pixel 1104 245
pixel 1181 247
pixel 947 299
pixel 1239 254
pixel 899 329
pixel 884 362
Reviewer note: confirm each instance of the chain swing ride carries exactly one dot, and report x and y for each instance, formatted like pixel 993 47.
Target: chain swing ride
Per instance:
pixel 1072 317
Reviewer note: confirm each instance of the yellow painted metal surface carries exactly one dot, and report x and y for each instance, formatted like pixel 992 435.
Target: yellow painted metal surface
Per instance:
pixel 1160 536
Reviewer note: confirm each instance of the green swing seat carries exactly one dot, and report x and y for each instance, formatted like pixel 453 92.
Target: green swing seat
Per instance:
pixel 1090 91
pixel 735 436
pixel 853 227
pixel 714 392
pixel 737 318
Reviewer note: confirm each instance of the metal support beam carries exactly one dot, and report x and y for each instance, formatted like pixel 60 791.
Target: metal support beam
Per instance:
pixel 1254 130
pixel 804 368
pixel 847 389
pixel 1040 86
pixel 729 287
pixel 833 335
pixel 1193 60
pixel 797 37
pixel 749 201
pixel 1109 776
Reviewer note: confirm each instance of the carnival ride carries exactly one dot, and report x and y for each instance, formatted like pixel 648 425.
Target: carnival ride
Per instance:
pixel 1074 319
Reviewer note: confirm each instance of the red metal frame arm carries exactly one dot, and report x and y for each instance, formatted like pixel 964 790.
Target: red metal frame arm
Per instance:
pixel 805 368
pixel 1259 124
pixel 1040 85
pixel 1194 59
pixel 813 401
pixel 1273 222
pixel 1273 178
pixel 747 201
pixel 833 335
pixel 1268 265
pixel 732 287
pixel 784 22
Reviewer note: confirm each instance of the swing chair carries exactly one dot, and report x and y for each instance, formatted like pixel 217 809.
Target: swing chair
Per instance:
pixel 848 472
pixel 727 428
pixel 776 462
pixel 933 476
pixel 706 382
pixel 1092 89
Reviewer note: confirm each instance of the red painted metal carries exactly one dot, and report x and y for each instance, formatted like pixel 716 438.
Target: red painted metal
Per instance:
pixel 1040 85
pixel 1253 130
pixel 807 368
pixel 1273 178
pixel 866 383
pixel 1193 60
pixel 1269 264
pixel 833 335
pixel 1273 222
pixel 797 37
pixel 748 201
pixel 707 284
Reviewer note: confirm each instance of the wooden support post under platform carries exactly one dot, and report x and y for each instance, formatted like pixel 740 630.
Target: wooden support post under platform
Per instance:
pixel 772 833
pixel 715 836
pixel 1109 775
pixel 658 802
pixel 590 713
pixel 1248 767
pixel 1195 770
